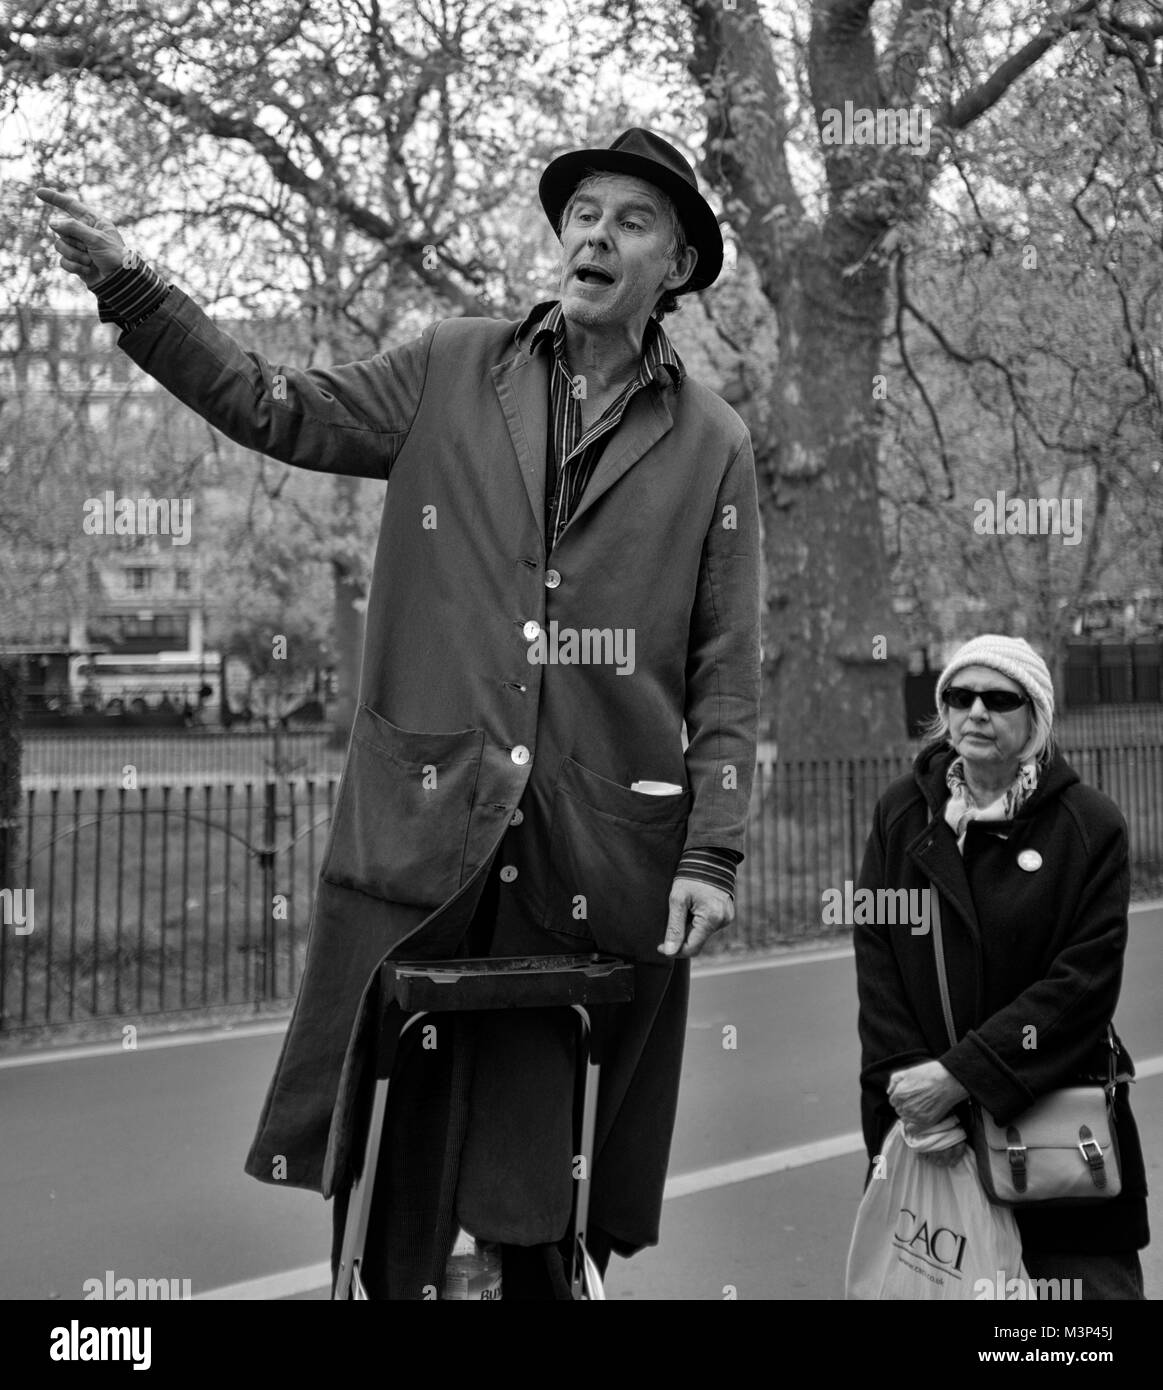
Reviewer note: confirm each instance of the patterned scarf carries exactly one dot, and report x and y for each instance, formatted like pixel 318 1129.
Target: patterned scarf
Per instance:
pixel 961 807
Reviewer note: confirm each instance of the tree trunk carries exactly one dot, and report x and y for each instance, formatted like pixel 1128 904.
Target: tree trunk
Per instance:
pixel 835 661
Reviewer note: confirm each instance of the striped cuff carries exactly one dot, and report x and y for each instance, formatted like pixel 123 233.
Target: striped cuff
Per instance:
pixel 129 295
pixel 714 866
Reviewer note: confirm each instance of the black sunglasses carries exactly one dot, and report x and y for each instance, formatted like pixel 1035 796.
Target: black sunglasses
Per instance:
pixel 996 701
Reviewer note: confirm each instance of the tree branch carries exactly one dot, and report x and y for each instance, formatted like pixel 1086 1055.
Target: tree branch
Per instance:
pixel 977 102
pixel 901 304
pixel 111 67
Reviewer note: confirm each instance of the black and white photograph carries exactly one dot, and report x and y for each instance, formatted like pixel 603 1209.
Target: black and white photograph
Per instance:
pixel 581 673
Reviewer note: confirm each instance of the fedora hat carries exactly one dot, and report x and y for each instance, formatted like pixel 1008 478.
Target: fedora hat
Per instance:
pixel 643 155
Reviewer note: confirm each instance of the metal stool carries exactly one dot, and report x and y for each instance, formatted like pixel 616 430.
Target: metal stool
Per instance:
pixel 418 988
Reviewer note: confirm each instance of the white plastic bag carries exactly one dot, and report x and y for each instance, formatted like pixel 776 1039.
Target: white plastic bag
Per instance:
pixel 927 1231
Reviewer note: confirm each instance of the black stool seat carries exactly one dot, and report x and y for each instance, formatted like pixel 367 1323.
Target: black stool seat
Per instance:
pixel 509 982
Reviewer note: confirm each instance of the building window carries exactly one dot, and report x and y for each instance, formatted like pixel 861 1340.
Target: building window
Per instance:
pixel 182 580
pixel 139 580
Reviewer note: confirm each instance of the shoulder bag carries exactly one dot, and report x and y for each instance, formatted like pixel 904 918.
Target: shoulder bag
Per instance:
pixel 1062 1151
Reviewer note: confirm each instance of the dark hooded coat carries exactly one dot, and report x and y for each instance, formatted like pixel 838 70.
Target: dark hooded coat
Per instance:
pixel 1040 948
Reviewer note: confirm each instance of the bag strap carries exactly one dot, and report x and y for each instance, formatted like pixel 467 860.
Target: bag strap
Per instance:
pixel 947 1008
pixel 1114 1076
pixel 939 952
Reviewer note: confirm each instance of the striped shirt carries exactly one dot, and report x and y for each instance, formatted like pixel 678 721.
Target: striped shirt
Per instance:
pixel 130 295
pixel 571 455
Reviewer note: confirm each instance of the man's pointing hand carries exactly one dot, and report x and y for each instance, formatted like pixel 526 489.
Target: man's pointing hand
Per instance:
pixel 709 909
pixel 89 246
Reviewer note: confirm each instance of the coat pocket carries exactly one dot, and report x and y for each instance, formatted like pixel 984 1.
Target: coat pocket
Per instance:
pixel 612 858
pixel 402 817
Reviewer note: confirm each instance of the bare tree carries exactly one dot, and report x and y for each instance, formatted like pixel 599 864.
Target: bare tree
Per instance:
pixel 825 262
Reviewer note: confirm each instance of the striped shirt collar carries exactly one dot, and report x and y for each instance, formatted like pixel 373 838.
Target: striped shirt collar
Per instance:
pixel 546 323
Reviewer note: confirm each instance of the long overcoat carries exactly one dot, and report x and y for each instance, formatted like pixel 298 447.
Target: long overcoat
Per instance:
pixel 1034 955
pixel 509 697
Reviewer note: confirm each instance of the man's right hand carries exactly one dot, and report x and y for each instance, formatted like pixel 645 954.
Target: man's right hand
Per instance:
pixel 89 246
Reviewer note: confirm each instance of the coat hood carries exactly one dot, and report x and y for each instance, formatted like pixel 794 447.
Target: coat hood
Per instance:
pixel 933 761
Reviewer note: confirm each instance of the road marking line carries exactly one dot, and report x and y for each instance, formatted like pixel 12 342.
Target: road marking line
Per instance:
pixel 762 1165
pixel 145 1044
pixel 286 1284
pixel 701 972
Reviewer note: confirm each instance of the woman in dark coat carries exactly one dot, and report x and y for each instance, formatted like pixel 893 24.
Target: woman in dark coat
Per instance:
pixel 1032 871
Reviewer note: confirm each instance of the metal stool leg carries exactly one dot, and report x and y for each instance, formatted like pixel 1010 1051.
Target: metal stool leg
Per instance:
pixel 581 1278
pixel 349 1280
pixel 470 984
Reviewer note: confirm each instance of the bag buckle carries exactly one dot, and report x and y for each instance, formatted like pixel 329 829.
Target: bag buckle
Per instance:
pixel 1016 1153
pixel 1091 1151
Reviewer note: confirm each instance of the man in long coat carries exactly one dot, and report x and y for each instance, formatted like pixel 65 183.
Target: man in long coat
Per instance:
pixel 568 570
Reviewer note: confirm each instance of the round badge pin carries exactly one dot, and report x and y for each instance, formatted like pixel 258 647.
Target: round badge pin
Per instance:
pixel 1029 859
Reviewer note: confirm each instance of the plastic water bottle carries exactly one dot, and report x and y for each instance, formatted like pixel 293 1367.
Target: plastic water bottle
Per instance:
pixel 473 1269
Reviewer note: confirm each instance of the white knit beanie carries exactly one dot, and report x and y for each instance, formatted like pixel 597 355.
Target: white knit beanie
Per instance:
pixel 1013 657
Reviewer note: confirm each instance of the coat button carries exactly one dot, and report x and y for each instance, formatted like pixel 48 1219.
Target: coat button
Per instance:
pixel 531 630
pixel 520 755
pixel 508 874
pixel 1029 859
pixel 517 817
pixel 552 579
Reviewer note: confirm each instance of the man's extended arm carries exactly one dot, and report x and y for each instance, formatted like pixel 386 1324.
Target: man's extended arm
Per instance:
pixel 350 419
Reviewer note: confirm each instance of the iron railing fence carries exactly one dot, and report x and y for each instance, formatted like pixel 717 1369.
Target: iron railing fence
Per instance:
pixel 160 899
